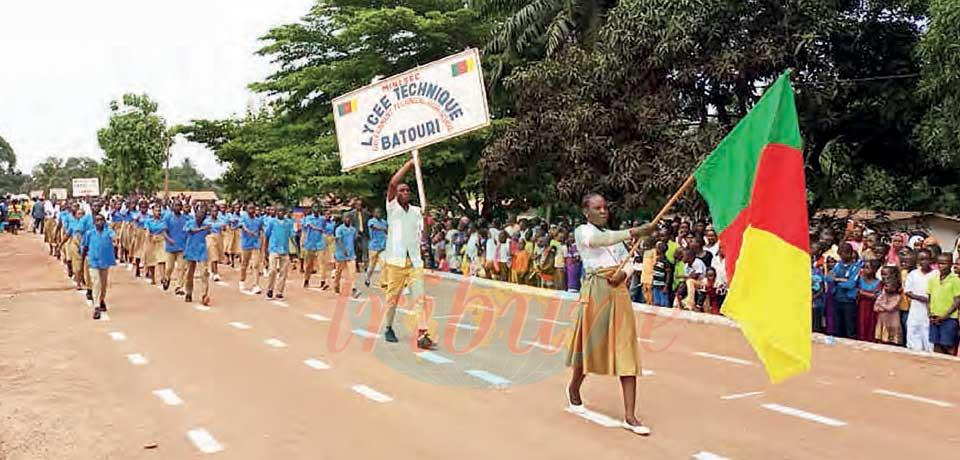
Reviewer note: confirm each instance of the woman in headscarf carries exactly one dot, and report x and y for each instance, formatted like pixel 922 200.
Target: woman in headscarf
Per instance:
pixel 897 242
pixel 604 337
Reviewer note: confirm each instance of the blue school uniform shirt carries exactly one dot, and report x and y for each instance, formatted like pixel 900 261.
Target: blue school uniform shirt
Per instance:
pixel 846 291
pixel 313 240
pixel 119 215
pixel 216 225
pixel 378 234
pixel 251 224
pixel 79 227
pixel 234 220
pixel 66 219
pixel 195 247
pixel 345 243
pixel 175 226
pixel 155 226
pixel 99 247
pixel 869 286
pixel 278 236
pixel 818 286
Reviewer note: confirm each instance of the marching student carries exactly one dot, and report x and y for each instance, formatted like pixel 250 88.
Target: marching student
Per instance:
pixel 405 223
pixel 251 230
pixel 176 238
pixel 154 255
pixel 345 255
pixel 139 236
pixel 234 221
pixel 378 241
pixel 279 230
pixel 217 223
pixel 78 227
pixel 51 211
pixel 98 253
pixel 195 253
pixel 314 247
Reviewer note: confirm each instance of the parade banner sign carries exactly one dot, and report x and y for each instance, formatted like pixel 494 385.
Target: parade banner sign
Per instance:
pixel 58 194
pixel 86 187
pixel 36 194
pixel 417 108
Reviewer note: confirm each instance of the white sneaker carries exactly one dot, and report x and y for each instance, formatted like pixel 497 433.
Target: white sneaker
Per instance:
pixel 216 277
pixel 243 286
pixel 570 406
pixel 406 291
pixel 636 429
pixel 256 290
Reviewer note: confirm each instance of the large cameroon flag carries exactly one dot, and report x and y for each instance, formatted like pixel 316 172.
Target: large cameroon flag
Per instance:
pixel 754 185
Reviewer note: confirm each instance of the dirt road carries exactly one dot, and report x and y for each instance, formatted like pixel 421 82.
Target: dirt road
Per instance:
pixel 308 378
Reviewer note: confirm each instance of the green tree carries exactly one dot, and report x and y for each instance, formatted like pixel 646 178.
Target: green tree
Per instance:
pixel 288 150
pixel 56 172
pixel 11 180
pixel 939 133
pixel 187 177
pixel 135 143
pixel 533 28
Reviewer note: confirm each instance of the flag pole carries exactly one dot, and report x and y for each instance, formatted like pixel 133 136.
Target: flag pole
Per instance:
pixel 663 211
pixel 422 191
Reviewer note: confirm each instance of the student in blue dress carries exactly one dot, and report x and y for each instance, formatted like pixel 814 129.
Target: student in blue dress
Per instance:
pixel 63 236
pixel 345 255
pixel 79 226
pixel 278 232
pixel 98 252
pixel 314 247
pixel 154 255
pixel 378 242
pixel 195 253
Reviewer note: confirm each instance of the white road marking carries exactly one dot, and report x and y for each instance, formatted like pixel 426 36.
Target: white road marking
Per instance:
pixel 104 316
pixel 221 283
pixel 493 379
pixel 596 417
pixel 361 299
pixel 316 364
pixel 245 292
pixel 641 339
pixel 169 397
pixel 804 415
pixel 204 441
pixel 202 307
pixel 118 336
pixel 708 456
pixel 913 398
pixel 447 316
pixel 464 326
pixel 317 317
pixel 741 395
pixel 546 320
pixel 137 359
pixel 365 333
pixel 280 303
pixel 433 357
pixel 405 311
pixel 539 345
pixel 647 373
pixel 371 394
pixel 728 359
pixel 275 343
pixel 240 325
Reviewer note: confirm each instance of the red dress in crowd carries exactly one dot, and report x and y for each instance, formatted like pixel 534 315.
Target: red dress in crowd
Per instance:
pixel 866 317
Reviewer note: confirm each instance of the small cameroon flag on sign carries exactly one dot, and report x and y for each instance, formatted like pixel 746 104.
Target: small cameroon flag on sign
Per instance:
pixel 347 107
pixel 462 67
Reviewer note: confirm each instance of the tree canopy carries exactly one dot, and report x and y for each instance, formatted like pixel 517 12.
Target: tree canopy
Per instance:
pixel 135 145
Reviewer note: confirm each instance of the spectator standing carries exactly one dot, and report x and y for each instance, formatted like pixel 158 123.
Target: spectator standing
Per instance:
pixel 888 317
pixel 868 287
pixel 845 274
pixel 917 289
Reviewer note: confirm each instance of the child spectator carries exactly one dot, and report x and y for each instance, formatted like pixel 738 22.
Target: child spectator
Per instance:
pixel 917 288
pixel 887 308
pixel 845 273
pixel 573 265
pixel 868 286
pixel 818 289
pixel 662 271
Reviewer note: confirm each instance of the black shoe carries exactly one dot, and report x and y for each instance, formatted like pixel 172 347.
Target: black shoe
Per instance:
pixel 367 282
pixel 306 284
pixel 96 313
pixel 103 306
pixel 89 295
pixel 355 294
pixel 188 298
pixel 425 342
pixel 165 284
pixel 389 335
pixel 270 294
pixel 279 296
pixel 324 286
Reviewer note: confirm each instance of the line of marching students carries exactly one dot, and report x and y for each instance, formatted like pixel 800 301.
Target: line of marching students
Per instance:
pixel 175 241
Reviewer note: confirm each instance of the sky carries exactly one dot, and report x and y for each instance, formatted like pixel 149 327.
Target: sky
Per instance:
pixel 63 61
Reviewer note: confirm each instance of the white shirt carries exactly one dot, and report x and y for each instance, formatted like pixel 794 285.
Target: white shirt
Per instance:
pixel 720 267
pixel 916 284
pixel 472 247
pixel 86 208
pixel 50 210
pixel 695 268
pixel 491 250
pixel 597 258
pixel 403 235
pixel 713 249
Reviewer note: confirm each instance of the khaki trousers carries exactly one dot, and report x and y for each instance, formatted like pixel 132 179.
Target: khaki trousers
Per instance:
pixel 99 279
pixel 204 268
pixel 278 263
pixel 348 266
pixel 315 260
pixel 175 261
pixel 254 256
